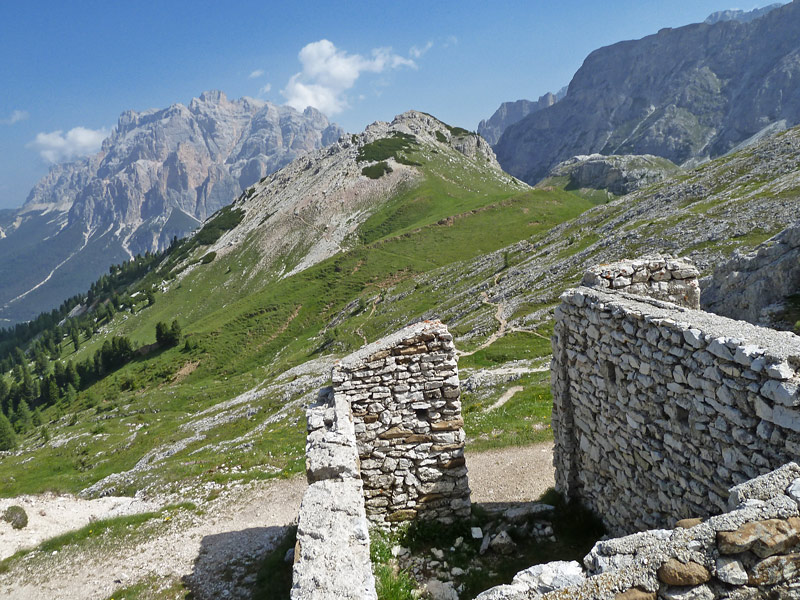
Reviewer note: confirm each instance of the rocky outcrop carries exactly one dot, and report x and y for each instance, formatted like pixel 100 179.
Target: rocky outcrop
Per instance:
pixel 159 174
pixel 510 112
pixel 619 175
pixel 682 94
pixel 757 286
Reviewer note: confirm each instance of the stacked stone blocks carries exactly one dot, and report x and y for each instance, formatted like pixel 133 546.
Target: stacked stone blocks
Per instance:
pixel 332 552
pixel 751 552
pixel 659 276
pixel 405 399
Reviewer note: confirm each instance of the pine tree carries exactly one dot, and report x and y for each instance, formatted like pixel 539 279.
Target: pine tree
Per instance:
pixel 175 332
pixel 76 338
pixel 8 439
pixel 22 417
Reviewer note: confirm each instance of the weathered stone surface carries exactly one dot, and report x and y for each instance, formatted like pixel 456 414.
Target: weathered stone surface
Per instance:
pixel 775 569
pixel 764 538
pixel 662 405
pixel 675 572
pixel 635 594
pixel 645 277
pixel 730 570
pixel 688 523
pixel 332 552
pixel 700 592
pixel 748 284
pixel 441 590
pixel 502 543
pixel 412 453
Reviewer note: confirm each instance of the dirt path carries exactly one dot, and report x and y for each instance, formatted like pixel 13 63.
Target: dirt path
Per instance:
pixel 507 395
pixel 503 327
pixel 515 474
pixel 236 527
pixel 244 522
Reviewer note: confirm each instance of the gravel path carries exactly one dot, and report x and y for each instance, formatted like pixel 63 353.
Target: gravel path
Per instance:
pixel 230 532
pixel 515 474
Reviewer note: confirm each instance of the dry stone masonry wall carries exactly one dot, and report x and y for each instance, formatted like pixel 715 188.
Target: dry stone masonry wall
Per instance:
pixel 659 276
pixel 385 442
pixel 659 409
pixel 406 406
pixel 751 552
pixel 332 551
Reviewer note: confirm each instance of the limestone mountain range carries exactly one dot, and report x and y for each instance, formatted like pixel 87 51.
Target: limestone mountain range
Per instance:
pixel 159 174
pixel 685 94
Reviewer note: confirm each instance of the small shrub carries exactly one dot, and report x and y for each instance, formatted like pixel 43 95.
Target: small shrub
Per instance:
pixel 377 170
pixel 384 148
pixel 16 516
pixel 209 257
pixel 224 220
pixel 441 137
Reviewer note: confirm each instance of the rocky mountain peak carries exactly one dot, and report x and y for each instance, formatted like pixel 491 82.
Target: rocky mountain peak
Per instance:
pixel 429 129
pixel 742 16
pixel 686 94
pixel 159 174
pixel 511 112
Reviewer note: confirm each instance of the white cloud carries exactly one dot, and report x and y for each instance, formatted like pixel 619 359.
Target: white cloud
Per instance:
pixel 256 74
pixel 417 52
pixel 265 89
pixel 56 147
pixel 451 40
pixel 329 72
pixel 16 116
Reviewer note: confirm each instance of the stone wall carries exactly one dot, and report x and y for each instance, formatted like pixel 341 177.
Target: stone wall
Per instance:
pixel 658 276
pixel 659 409
pixel 753 287
pixel 332 551
pixel 405 400
pixel 385 442
pixel 749 553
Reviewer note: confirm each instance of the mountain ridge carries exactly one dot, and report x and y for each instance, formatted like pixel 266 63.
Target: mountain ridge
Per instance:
pixel 159 174
pixel 685 94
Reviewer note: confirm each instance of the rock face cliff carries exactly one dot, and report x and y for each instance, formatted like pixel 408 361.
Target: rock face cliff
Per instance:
pixel 510 112
pixel 158 175
pixel 684 94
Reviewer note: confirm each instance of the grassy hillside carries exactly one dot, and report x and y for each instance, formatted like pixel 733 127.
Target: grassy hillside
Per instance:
pixel 454 239
pixel 162 422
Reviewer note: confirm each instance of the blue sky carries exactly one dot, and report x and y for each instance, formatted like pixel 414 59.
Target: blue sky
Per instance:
pixel 70 68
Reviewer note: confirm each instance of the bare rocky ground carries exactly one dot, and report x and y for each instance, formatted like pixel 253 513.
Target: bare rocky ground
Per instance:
pixel 207 546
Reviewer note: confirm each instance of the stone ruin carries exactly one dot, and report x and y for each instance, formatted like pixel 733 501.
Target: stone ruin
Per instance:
pixel 666 419
pixel 385 445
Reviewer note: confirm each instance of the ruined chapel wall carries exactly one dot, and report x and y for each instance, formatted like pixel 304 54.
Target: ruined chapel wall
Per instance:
pixel 405 399
pixel 659 409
